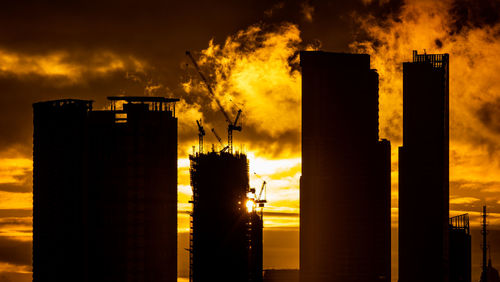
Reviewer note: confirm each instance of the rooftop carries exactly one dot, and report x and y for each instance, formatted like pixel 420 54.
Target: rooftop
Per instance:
pixel 437 60
pixel 143 99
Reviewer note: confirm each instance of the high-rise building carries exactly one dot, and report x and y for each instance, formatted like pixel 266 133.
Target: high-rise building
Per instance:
pixel 345 187
pixel 460 249
pixel 424 170
pixel 226 237
pixel 105 190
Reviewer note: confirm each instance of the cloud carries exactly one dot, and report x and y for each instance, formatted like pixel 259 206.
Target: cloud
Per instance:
pixel 464 200
pixel 16 175
pixel 473 44
pixel 474 14
pixel 251 71
pixel 370 2
pixel 14 200
pixel 307 11
pixel 278 6
pixel 71 67
pixel 15 252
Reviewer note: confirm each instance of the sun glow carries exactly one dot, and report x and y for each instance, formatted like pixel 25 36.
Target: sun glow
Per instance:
pixel 250 205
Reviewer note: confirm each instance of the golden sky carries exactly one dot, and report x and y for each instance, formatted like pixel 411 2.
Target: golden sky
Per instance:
pixel 248 51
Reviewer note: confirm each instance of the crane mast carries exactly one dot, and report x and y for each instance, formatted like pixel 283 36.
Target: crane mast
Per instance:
pixel 230 128
pixel 484 245
pixel 262 201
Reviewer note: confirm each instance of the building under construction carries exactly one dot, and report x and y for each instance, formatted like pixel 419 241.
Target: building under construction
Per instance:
pixel 345 188
pixel 460 249
pixel 424 170
pixel 226 229
pixel 105 190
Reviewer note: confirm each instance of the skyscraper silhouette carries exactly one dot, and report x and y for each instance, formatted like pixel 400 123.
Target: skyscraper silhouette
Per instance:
pixel 226 239
pixel 105 190
pixel 345 185
pixel 460 249
pixel 423 170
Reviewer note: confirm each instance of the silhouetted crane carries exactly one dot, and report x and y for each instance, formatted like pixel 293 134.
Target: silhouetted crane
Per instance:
pixel 220 141
pixel 259 201
pixel 230 128
pixel 230 124
pixel 201 133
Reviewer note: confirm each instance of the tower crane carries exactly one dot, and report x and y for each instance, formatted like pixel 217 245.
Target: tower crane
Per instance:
pixel 259 200
pixel 220 141
pixel 201 133
pixel 231 126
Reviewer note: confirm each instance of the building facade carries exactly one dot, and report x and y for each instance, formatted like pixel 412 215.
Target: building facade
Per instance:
pixel 105 190
pixel 424 170
pixel 345 187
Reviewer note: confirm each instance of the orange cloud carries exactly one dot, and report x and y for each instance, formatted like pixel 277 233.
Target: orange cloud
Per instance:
pixel 252 71
pixel 66 65
pixel 474 87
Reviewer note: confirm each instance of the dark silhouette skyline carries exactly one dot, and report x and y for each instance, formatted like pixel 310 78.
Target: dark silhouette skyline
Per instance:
pixel 424 170
pixel 345 187
pixel 105 190
pixel 116 164
pixel 114 172
pixel 90 50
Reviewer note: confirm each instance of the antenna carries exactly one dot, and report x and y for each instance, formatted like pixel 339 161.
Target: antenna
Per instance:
pixel 484 246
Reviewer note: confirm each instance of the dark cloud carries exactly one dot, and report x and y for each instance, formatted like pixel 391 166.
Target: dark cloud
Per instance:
pixel 23 187
pixel 489 115
pixel 487 132
pixel 15 276
pixel 15 252
pixel 18 94
pixel 15 213
pixel 19 224
pixel 438 43
pixel 474 14
pixel 22 181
